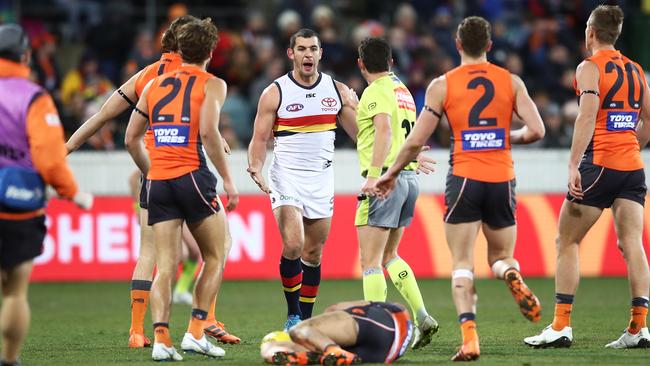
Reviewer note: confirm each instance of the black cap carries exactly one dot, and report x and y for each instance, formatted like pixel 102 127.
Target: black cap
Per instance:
pixel 13 42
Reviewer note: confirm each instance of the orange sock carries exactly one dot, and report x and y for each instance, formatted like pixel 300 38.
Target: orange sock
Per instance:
pixel 562 316
pixel 468 330
pixel 161 334
pixel 211 317
pixel 197 323
pixel 139 302
pixel 638 316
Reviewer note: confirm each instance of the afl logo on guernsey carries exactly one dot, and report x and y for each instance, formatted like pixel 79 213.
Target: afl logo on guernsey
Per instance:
pixel 295 107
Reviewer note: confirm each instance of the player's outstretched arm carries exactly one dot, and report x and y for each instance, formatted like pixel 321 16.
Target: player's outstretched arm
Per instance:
pixel 424 126
pixel 348 113
pixel 643 127
pixel 587 79
pixel 262 130
pixel 112 108
pixel 215 95
pixel 135 132
pixel 526 109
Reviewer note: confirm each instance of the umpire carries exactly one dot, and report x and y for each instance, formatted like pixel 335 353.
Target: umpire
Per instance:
pixel 32 154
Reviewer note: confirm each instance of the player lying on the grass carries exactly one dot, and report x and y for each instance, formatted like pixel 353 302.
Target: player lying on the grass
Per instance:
pixel 122 99
pixel 346 333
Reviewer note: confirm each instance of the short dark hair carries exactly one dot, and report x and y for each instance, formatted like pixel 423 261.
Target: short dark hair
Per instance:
pixel 303 33
pixel 607 21
pixel 196 40
pixel 375 54
pixel 474 35
pixel 168 41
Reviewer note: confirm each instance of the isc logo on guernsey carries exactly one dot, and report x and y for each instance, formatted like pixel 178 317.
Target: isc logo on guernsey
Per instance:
pixel 171 136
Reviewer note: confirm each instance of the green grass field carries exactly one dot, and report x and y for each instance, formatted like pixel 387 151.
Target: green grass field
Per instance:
pixel 87 323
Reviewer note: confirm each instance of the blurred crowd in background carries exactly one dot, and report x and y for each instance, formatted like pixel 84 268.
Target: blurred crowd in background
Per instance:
pixel 84 49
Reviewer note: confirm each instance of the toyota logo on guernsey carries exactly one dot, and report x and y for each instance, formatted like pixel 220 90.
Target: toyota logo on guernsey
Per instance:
pixel 329 104
pixel 295 107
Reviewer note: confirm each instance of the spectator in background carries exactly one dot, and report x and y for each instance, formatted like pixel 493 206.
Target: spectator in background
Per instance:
pixel 500 46
pixel 417 85
pixel 288 23
pixel 238 109
pixel 257 38
pixel 105 138
pixel 322 18
pixel 401 54
pixel 175 10
pixel 557 132
pixel 45 66
pixel 514 64
pixel 80 14
pixel 82 85
pixel 333 43
pixel 111 40
pixel 221 53
pixel 406 19
pixel 85 81
pixel 272 70
pixel 144 53
pixel 228 133
pixel 564 91
pixel 240 68
pixel 256 32
pixel 442 25
pixel 369 28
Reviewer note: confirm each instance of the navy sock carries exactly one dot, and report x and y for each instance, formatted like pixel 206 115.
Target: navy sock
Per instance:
pixel 309 289
pixel 199 314
pixel 291 274
pixel 462 318
pixel 563 299
pixel 640 301
pixel 141 285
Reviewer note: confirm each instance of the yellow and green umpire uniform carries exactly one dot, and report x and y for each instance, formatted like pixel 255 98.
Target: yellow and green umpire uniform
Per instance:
pixel 388 95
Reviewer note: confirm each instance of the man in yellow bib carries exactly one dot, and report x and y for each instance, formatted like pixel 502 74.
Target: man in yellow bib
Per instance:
pixel 385 115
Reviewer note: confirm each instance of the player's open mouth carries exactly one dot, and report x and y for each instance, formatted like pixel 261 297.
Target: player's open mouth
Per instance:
pixel 308 65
